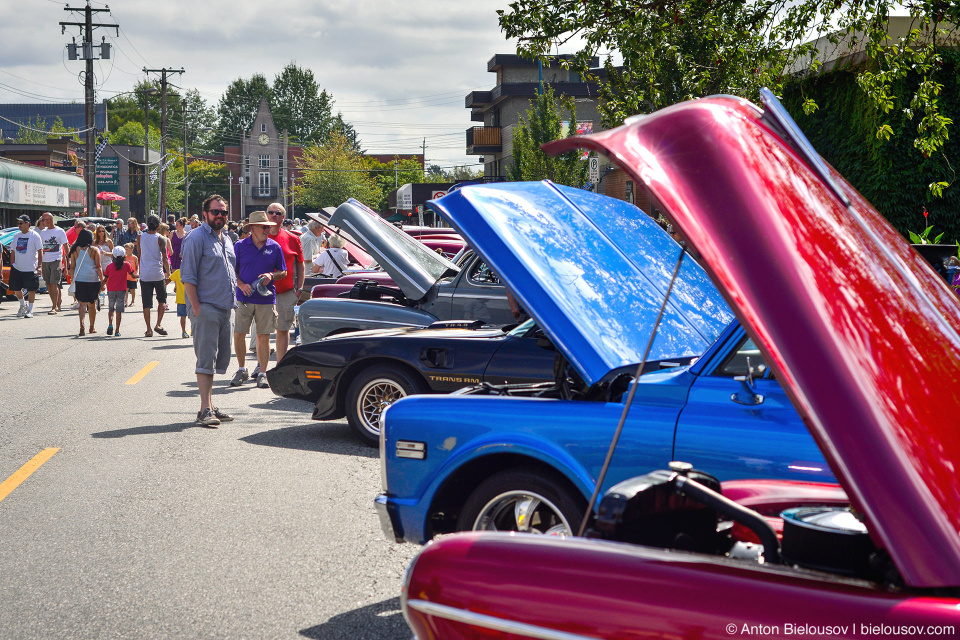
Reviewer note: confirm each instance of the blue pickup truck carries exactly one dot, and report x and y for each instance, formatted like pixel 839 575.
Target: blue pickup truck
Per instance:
pixel 594 273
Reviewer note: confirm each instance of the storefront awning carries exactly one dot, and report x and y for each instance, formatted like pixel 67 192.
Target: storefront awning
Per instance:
pixel 24 186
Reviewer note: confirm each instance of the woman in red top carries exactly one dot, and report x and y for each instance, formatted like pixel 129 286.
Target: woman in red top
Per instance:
pixel 116 274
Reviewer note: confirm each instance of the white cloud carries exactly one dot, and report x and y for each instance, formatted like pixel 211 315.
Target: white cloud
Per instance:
pixel 398 70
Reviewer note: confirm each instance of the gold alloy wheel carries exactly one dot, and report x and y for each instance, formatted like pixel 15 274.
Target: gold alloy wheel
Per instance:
pixel 374 397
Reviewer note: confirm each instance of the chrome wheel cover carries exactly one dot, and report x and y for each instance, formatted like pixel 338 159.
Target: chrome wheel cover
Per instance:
pixel 523 511
pixel 374 397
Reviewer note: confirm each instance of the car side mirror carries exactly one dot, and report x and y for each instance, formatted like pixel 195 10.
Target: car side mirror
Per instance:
pixel 751 397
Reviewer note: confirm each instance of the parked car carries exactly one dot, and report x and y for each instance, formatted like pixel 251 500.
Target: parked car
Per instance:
pixel 592 271
pixel 863 337
pixel 428 287
pixel 359 374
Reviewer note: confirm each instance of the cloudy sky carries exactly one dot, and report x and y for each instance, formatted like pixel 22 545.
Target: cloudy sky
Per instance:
pixel 399 71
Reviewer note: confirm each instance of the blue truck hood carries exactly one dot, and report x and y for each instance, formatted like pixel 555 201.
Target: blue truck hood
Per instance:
pixel 592 270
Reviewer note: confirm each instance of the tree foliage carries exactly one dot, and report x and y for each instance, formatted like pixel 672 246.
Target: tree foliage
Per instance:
pixel 334 172
pixel 238 108
pixel 888 173
pixel 199 116
pixel 300 106
pixel 206 178
pixel 297 104
pixel 436 173
pixel 36 131
pixel 543 123
pixel 674 50
pixel 131 133
pixel 390 175
pixel 128 106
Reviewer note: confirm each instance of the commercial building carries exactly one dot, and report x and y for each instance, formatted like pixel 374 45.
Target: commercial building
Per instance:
pixel 31 189
pixel 499 109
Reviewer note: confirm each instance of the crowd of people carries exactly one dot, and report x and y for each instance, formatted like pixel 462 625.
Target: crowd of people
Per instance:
pixel 230 280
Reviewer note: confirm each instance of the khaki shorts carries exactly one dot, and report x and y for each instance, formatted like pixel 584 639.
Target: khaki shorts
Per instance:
pixel 212 338
pixel 52 273
pixel 286 301
pixel 265 315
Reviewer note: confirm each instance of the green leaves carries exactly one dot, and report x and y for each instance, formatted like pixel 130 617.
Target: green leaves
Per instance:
pixel 334 172
pixel 674 50
pixel 543 123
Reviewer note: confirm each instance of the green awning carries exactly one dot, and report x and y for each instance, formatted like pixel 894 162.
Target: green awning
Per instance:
pixel 24 186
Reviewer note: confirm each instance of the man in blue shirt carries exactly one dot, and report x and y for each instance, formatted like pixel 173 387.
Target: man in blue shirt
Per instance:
pixel 259 264
pixel 208 270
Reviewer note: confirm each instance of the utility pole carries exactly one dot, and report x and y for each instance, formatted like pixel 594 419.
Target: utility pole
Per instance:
pixel 186 175
pixel 423 156
pixel 149 91
pixel 86 27
pixel 162 200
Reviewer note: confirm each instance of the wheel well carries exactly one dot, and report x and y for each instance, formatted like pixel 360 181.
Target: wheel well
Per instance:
pixel 352 371
pixel 454 492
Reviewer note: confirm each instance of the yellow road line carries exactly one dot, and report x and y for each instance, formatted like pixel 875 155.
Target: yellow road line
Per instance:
pixel 147 369
pixel 24 472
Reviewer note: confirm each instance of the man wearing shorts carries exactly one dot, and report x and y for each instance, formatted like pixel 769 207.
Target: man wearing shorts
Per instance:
pixel 208 269
pixel 27 248
pixel 154 273
pixel 288 289
pixel 54 240
pixel 258 258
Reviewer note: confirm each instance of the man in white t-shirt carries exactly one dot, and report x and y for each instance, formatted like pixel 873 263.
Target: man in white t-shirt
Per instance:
pixel 54 240
pixel 27 248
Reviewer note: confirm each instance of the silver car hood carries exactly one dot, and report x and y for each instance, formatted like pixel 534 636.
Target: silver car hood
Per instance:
pixel 411 264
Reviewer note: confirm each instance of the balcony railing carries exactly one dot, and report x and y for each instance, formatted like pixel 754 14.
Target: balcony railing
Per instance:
pixel 257 191
pixel 483 140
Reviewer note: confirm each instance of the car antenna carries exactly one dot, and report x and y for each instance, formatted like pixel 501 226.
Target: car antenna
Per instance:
pixel 633 391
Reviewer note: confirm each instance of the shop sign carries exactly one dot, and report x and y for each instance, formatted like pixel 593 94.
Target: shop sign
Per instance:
pixel 32 193
pixel 78 198
pixel 405 197
pixel 108 174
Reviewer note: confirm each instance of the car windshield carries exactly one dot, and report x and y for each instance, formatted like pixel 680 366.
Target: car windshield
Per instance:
pixel 522 328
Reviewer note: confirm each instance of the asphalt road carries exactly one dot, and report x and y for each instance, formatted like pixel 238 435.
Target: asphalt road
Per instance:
pixel 143 525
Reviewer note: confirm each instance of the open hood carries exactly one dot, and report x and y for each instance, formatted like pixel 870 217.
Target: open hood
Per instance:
pixel 859 330
pixel 413 266
pixel 593 272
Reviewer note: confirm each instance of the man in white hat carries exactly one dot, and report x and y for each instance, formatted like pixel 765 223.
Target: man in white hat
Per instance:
pixel 260 264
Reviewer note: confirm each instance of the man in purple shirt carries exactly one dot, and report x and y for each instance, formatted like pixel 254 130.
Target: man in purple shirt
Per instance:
pixel 258 259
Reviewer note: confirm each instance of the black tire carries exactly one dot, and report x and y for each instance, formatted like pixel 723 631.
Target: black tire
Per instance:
pixel 378 385
pixel 550 507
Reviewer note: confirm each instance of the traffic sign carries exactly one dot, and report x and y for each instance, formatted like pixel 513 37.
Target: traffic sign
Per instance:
pixel 594 166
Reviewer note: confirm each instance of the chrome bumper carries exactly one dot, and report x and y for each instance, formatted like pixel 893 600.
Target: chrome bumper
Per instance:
pixel 391 531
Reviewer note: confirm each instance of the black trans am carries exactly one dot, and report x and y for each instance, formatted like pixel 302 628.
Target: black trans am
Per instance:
pixel 360 374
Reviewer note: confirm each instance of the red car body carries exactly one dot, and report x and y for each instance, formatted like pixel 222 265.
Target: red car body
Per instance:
pixel 863 337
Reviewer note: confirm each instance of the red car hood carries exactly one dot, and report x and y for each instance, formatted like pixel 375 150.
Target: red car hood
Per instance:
pixel 860 331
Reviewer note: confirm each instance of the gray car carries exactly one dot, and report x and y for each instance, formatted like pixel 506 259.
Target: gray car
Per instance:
pixel 428 287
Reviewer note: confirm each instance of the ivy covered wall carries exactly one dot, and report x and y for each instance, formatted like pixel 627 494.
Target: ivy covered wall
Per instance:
pixel 891 174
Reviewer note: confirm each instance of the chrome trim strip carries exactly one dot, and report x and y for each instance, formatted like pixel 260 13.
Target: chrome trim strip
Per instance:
pixel 489 622
pixel 355 319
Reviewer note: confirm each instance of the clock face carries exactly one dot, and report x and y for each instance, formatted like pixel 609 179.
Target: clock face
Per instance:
pixel 264 138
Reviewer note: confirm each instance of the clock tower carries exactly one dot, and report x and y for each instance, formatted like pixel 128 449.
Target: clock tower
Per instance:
pixel 265 163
